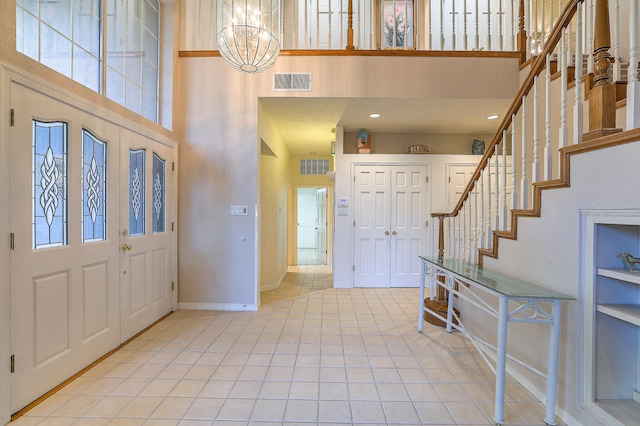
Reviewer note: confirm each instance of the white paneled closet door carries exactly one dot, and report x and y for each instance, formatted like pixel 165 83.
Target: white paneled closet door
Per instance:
pixel 64 263
pixel 390 213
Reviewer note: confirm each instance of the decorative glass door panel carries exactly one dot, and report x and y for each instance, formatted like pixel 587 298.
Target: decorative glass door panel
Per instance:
pixel 136 191
pixel 49 184
pixel 159 193
pixel 94 174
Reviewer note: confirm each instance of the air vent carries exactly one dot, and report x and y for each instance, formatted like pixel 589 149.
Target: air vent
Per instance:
pixel 314 166
pixel 296 82
pixel 266 150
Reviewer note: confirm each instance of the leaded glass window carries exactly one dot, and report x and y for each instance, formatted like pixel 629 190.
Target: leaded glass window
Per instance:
pixel 94 188
pixel 49 184
pixel 136 191
pixel 159 193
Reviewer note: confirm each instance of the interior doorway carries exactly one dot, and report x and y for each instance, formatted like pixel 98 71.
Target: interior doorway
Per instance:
pixel 311 229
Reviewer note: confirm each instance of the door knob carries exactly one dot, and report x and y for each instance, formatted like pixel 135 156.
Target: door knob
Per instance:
pixel 394 232
pixel 126 247
pixel 386 232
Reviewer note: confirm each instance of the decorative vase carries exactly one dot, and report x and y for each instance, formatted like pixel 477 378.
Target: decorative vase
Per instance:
pixel 477 147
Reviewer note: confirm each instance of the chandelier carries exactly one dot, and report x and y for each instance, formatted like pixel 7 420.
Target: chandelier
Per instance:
pixel 249 33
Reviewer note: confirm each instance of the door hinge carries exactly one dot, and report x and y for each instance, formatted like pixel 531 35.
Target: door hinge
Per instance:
pixel 13 363
pixel 354 268
pixel 173 166
pixel 354 223
pixel 426 223
pixel 449 179
pixel 12 117
pixel 172 226
pixel 427 179
pixel 12 241
pixel 172 285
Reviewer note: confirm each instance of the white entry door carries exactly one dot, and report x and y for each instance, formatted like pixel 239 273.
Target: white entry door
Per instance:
pixel 321 226
pixel 64 257
pixel 145 232
pixel 391 211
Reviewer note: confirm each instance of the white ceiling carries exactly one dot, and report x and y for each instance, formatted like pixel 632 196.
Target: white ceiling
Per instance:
pixel 306 124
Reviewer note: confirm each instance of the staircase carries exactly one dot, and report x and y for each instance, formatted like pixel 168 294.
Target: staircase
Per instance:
pixel 546 126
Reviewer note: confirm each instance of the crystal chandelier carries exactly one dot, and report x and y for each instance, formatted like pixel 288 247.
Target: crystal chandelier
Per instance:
pixel 249 33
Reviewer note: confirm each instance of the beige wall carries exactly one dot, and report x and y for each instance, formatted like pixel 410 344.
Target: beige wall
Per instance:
pixel 397 143
pixel 275 181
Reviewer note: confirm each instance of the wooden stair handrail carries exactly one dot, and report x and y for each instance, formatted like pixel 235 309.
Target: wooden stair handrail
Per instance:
pixel 536 68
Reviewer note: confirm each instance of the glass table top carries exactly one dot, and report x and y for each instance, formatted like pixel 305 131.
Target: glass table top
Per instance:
pixel 494 281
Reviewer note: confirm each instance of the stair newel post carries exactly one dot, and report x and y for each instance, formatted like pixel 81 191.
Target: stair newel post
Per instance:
pixel 633 85
pixel 602 98
pixel 521 38
pixel 350 45
pixel 578 113
pixel 547 160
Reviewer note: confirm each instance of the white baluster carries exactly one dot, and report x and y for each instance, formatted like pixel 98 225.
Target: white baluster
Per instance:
pixel 578 126
pixel 481 208
pixel 496 224
pixel 464 20
pixel 433 237
pixel 477 25
pixel 633 85
pixel 543 27
pixel 469 230
pixel 453 25
pixel 513 24
pixel 306 26
pixel 489 199
pixel 441 24
pixel 461 233
pixel 474 251
pixel 615 35
pixel 547 121
pixel 430 25
pixel 500 25
pixel 503 215
pixel 529 27
pixel 489 25
pixel 535 173
pixel 514 164
pixel 590 31
pixel 563 136
pixel 523 169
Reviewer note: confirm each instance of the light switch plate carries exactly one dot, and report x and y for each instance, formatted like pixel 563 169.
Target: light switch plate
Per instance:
pixel 239 210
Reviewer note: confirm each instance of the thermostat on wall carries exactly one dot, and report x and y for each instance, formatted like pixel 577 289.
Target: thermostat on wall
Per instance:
pixel 343 202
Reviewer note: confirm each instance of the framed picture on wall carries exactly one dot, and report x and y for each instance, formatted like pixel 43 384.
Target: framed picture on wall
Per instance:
pixel 397 24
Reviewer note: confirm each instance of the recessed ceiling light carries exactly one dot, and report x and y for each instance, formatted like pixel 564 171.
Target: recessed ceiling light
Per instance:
pixel 374 115
pixel 492 116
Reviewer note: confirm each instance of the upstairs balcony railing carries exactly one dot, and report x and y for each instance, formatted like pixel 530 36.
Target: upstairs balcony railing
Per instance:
pixel 405 25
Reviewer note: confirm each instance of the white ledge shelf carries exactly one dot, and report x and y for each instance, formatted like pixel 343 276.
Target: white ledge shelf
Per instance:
pixel 620 274
pixel 625 312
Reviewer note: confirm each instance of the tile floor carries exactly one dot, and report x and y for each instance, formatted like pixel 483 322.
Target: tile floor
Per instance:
pixel 328 356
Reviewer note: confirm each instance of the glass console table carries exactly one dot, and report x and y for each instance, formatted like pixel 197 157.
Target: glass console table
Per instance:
pixel 526 297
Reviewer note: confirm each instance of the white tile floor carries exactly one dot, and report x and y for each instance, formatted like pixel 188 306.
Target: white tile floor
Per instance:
pixel 331 356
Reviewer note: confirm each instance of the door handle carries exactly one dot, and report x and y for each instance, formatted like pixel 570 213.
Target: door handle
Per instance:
pixel 394 232
pixel 386 232
pixel 126 247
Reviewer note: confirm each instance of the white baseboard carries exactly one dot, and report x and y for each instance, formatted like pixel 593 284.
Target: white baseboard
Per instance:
pixel 185 306
pixel 276 285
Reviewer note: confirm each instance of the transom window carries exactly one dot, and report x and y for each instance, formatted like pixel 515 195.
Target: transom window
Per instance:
pixel 69 37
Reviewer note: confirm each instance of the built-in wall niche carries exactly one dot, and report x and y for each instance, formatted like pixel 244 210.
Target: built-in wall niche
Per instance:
pixel 611 317
pixel 399 143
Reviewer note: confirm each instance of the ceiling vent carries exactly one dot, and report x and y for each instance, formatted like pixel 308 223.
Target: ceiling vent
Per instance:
pixel 292 82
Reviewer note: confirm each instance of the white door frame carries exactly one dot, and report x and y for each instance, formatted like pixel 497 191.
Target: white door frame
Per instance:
pixel 293 249
pixel 5 282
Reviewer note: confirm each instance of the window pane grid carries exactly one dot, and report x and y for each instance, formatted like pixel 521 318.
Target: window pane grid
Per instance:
pixel 67 36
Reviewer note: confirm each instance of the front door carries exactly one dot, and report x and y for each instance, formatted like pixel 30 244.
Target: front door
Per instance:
pixel 64 223
pixel 145 232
